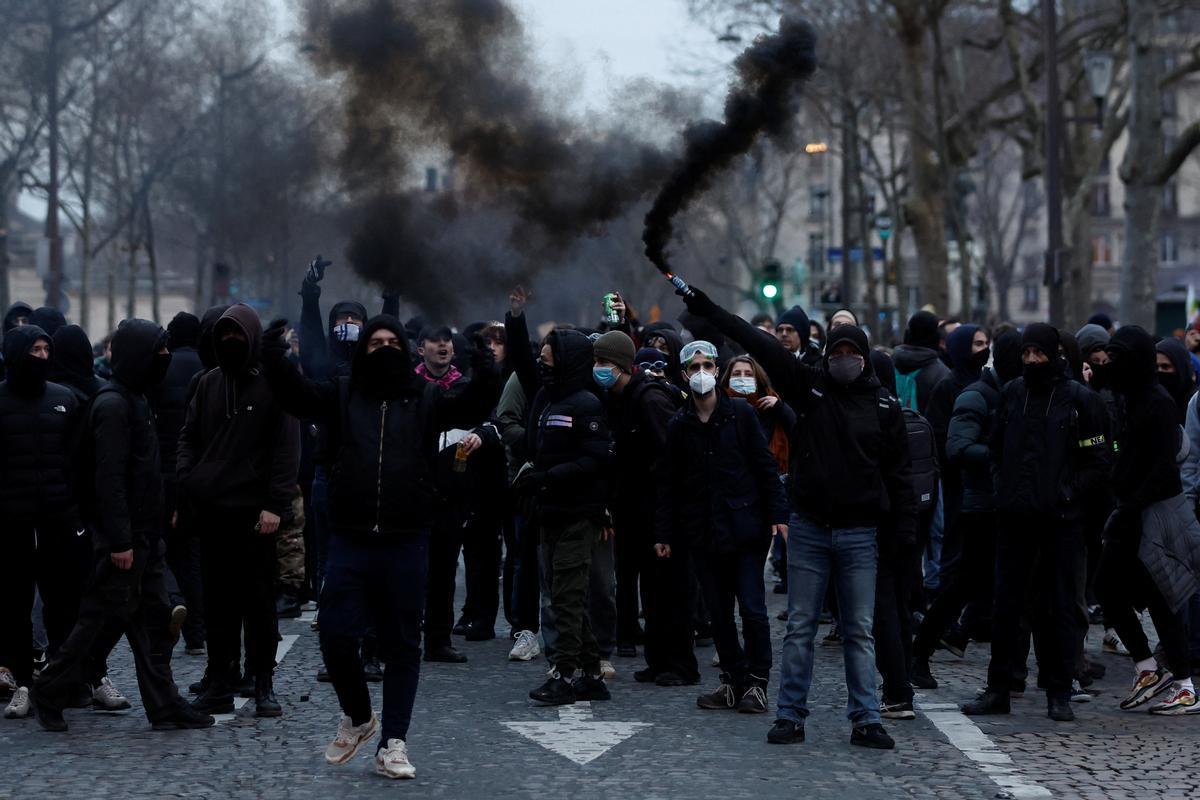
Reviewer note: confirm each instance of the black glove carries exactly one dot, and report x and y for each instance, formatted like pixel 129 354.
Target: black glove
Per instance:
pixel 316 270
pixel 274 342
pixel 697 302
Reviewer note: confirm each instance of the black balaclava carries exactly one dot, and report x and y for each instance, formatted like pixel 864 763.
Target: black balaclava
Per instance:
pixel 1133 367
pixel 966 365
pixel 183 331
pixel 1045 338
pixel 71 363
pixel 26 375
pixel 204 345
pixel 1006 361
pixel 387 372
pixel 922 331
pixel 136 360
pixel 1181 384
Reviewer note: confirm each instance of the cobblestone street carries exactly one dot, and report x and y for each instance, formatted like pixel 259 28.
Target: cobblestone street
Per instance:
pixel 472 737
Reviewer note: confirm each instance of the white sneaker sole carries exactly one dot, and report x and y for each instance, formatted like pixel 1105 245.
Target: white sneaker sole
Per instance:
pixel 1148 696
pixel 363 739
pixel 530 657
pixel 408 774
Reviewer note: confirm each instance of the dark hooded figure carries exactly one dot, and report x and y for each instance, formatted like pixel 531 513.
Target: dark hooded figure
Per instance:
pixel 1146 473
pixel 662 337
pixel 170 399
pixel 1049 453
pixel 919 367
pixel 18 314
pixel 39 424
pixel 238 457
pixel 850 475
pixel 48 319
pixel 71 364
pixel 966 582
pixel 1175 373
pixel 126 588
pixel 383 423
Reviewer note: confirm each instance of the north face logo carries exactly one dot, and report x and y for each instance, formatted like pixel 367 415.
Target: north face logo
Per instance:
pixel 61 409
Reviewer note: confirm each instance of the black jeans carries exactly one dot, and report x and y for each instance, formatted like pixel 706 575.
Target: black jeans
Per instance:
pixel 726 578
pixel 634 547
pixel 526 601
pixel 481 551
pixel 130 600
pixel 669 609
pixel 444 546
pixel 380 579
pixel 899 570
pixel 57 560
pixel 239 569
pixel 967 578
pixel 183 559
pixel 1123 584
pixel 1038 558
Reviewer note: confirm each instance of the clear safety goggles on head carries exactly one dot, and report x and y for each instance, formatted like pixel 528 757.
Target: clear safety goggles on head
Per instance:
pixel 652 366
pixel 707 349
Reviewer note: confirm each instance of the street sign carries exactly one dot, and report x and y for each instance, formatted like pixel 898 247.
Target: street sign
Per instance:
pixel 883 224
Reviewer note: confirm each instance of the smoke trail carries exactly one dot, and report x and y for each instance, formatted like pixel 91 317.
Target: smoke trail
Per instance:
pixel 454 76
pixel 762 101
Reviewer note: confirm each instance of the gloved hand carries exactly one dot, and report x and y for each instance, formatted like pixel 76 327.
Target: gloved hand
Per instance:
pixel 698 302
pixel 274 342
pixel 530 484
pixel 316 269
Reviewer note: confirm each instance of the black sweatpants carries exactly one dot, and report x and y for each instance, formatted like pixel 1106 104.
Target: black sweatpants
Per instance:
pixel 444 546
pixel 967 578
pixel 481 552
pixel 239 569
pixel 119 599
pixel 898 571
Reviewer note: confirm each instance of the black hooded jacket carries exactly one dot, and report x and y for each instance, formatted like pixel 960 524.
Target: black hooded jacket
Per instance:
pixel 850 460
pixel 567 435
pixel 1181 384
pixel 126 507
pixel 383 423
pixel 39 434
pixel 964 371
pixel 71 364
pixel 1147 430
pixel 170 401
pixel 322 355
pixel 238 449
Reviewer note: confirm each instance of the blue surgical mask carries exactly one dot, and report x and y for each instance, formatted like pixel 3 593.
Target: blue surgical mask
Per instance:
pixel 606 377
pixel 743 385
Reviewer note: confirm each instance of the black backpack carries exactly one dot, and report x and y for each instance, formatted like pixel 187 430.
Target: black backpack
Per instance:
pixel 922 451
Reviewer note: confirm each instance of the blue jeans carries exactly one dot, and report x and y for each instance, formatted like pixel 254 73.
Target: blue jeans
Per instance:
pixel 933 548
pixel 817 555
pixel 375 579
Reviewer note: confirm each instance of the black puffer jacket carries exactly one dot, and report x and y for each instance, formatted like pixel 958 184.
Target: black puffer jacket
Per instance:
pixel 39 433
pixel 568 437
pixel 383 441
pixel 71 364
pixel 126 508
pixel 719 489
pixel 237 447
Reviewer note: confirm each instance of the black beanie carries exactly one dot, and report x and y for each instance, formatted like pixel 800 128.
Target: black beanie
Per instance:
pixel 183 331
pixel 1044 337
pixel 922 331
pixel 849 333
pixel 796 317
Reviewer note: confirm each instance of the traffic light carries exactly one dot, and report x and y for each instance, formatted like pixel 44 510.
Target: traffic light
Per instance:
pixel 771 282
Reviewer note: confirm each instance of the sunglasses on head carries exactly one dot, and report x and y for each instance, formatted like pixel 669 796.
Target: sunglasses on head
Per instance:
pixel 653 366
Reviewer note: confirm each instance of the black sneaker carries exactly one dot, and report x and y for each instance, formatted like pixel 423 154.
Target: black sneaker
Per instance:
pixel 720 699
pixel 372 671
pixel 214 700
pixel 287 604
pixel 873 736
pixel 672 679
pixel 265 702
pixel 184 717
pixel 480 632
pixel 754 701
pixel 646 675
pixel 1058 708
pixel 445 655
pixel 955 642
pixel 989 702
pixel 627 650
pixel 590 687
pixel 834 637
pixel 784 731
pixel 922 678
pixel 323 676
pixel 460 627
pixel 554 692
pixel 199 686
pixel 48 716
pixel 897 710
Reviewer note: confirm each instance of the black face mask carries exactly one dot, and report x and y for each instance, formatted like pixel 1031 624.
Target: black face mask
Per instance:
pixel 386 371
pixel 1040 376
pixel 1101 377
pixel 31 374
pixel 158 370
pixel 232 354
pixel 979 360
pixel 546 374
pixel 1169 381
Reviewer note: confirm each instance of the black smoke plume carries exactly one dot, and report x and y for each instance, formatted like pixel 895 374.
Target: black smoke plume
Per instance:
pixel 454 76
pixel 762 101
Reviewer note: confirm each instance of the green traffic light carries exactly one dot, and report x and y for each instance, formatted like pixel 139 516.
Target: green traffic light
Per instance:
pixel 770 291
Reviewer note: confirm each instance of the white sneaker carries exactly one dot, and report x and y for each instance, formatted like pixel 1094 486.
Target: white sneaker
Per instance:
pixel 526 647
pixel 392 760
pixel 19 707
pixel 105 697
pixel 8 683
pixel 349 738
pixel 716 661
pixel 607 670
pixel 1113 644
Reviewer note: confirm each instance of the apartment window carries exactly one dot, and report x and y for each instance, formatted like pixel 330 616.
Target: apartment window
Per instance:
pixel 818 198
pixel 1102 251
pixel 1030 297
pixel 816 251
pixel 1098 201
pixel 1170 199
pixel 1169 250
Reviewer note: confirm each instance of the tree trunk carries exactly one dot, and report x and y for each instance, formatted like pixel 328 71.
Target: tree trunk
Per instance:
pixel 5 300
pixel 1142 191
pixel 85 272
pixel 55 277
pixel 151 259
pixel 112 294
pixel 925 208
pixel 131 296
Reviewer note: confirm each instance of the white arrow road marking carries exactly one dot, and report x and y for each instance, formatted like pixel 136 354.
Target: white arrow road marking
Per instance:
pixel 576 735
pixel 281 650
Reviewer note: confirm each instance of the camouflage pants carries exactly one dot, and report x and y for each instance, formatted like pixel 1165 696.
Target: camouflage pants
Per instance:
pixel 289 547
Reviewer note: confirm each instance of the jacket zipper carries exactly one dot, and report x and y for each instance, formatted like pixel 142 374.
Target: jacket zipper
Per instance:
pixel 379 478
